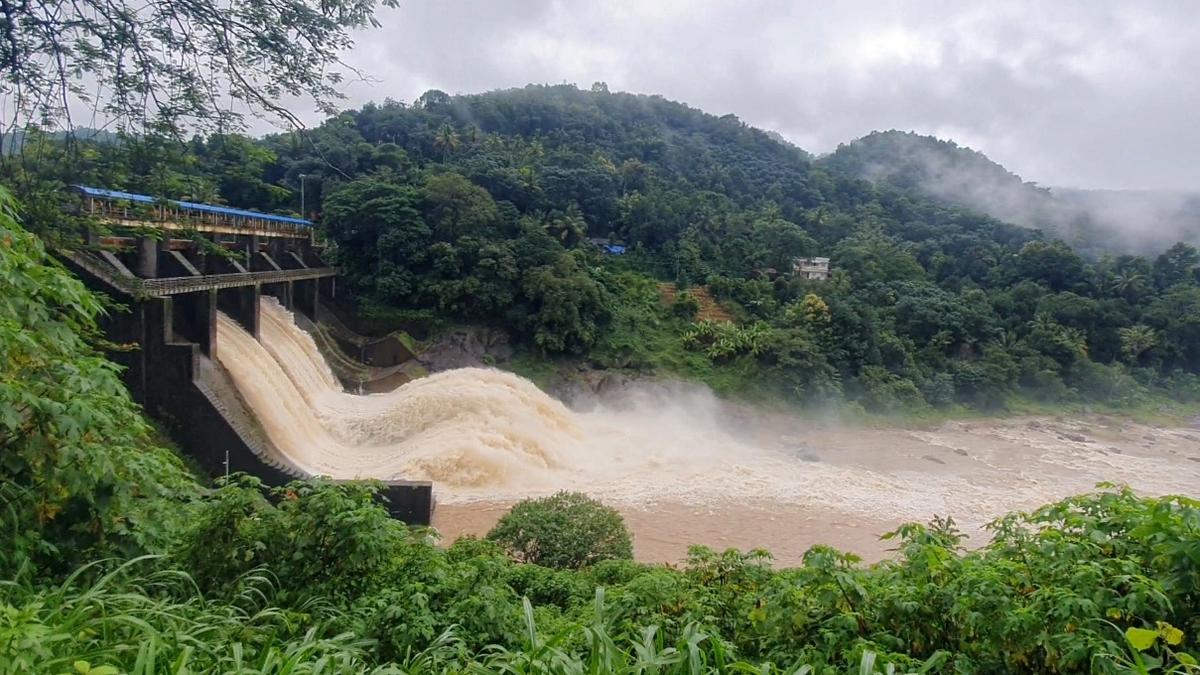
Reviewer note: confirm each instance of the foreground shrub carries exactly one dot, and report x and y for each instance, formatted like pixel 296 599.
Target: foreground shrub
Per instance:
pixel 326 538
pixel 139 621
pixel 1102 583
pixel 686 306
pixel 567 530
pixel 79 475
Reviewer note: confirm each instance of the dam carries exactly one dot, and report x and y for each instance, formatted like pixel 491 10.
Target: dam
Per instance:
pixel 181 270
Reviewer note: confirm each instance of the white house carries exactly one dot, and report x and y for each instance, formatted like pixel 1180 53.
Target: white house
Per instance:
pixel 811 268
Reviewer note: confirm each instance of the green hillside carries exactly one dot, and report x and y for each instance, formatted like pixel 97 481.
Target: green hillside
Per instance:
pixel 115 560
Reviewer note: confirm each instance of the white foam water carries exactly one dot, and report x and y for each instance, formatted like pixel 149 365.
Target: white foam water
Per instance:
pixel 484 434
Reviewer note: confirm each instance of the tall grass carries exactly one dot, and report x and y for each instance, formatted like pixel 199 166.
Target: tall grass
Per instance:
pixel 130 620
pixel 695 652
pixel 142 621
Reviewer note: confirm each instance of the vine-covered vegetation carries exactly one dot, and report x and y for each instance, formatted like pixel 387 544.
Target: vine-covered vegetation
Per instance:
pixel 480 209
pixel 114 560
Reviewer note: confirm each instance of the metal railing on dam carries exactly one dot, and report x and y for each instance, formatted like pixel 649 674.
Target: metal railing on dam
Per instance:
pixel 139 287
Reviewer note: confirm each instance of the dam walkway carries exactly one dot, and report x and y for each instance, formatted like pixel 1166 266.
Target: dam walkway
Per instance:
pixel 119 276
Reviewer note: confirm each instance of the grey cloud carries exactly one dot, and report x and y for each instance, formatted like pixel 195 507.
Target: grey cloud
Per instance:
pixel 1095 94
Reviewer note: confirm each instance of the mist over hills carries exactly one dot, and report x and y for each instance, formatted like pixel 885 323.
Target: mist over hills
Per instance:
pixel 1094 221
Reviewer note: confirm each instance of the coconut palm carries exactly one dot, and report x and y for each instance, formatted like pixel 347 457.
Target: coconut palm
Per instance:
pixel 447 141
pixel 1137 340
pixel 1125 281
pixel 569 226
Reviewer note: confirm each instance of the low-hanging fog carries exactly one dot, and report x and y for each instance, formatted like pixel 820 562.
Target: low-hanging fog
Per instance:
pixel 1095 221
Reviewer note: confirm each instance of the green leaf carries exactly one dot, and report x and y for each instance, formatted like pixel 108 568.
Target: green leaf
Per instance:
pixel 1169 633
pixel 1141 638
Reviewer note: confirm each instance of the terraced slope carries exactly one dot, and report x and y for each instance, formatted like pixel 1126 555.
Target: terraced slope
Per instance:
pixel 710 309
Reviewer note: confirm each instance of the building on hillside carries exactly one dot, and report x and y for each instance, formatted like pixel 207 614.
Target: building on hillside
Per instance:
pixel 811 268
pixel 607 246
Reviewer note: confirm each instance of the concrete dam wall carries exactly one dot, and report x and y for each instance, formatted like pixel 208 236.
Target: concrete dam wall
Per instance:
pixel 172 368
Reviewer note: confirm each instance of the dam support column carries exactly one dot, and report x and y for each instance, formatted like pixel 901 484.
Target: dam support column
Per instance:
pixel 281 291
pixel 241 304
pixel 304 296
pixel 328 287
pixel 194 318
pixel 277 248
pixel 409 501
pixel 147 257
pixel 248 246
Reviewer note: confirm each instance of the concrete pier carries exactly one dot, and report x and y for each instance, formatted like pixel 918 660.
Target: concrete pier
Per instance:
pixel 241 303
pixel 147 252
pixel 194 319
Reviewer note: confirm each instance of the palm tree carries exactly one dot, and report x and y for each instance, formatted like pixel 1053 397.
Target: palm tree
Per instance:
pixel 527 175
pixel 447 141
pixel 1137 340
pixel 1125 281
pixel 569 226
pixel 1006 341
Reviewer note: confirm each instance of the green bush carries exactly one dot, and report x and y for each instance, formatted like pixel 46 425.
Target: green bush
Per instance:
pixel 721 340
pixel 567 530
pixel 939 389
pixel 882 391
pixel 80 477
pixel 1110 384
pixel 331 538
pixel 1184 386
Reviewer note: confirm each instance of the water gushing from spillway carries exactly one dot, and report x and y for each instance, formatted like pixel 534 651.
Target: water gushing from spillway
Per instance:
pixel 468 427
pixel 486 434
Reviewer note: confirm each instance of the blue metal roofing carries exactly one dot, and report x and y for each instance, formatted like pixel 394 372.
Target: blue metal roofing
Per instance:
pixel 190 206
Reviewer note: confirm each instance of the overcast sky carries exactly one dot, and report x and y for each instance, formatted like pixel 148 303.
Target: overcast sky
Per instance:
pixel 1088 94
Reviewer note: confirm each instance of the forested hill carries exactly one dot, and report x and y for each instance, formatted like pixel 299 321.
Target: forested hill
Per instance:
pixel 701 193
pixel 1094 221
pixel 480 208
pixel 944 170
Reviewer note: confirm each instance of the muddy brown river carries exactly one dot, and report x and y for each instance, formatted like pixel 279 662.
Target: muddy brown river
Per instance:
pixel 973 471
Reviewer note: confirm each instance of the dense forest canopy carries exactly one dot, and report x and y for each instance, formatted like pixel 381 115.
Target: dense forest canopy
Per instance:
pixel 484 208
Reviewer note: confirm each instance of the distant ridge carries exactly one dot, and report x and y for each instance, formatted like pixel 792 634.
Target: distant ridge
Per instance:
pixel 14 141
pixel 1094 221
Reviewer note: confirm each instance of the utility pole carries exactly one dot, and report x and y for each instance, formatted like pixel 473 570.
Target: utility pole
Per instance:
pixel 312 235
pixel 303 213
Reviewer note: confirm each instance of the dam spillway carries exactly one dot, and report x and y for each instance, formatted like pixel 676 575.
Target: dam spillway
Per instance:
pixel 464 428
